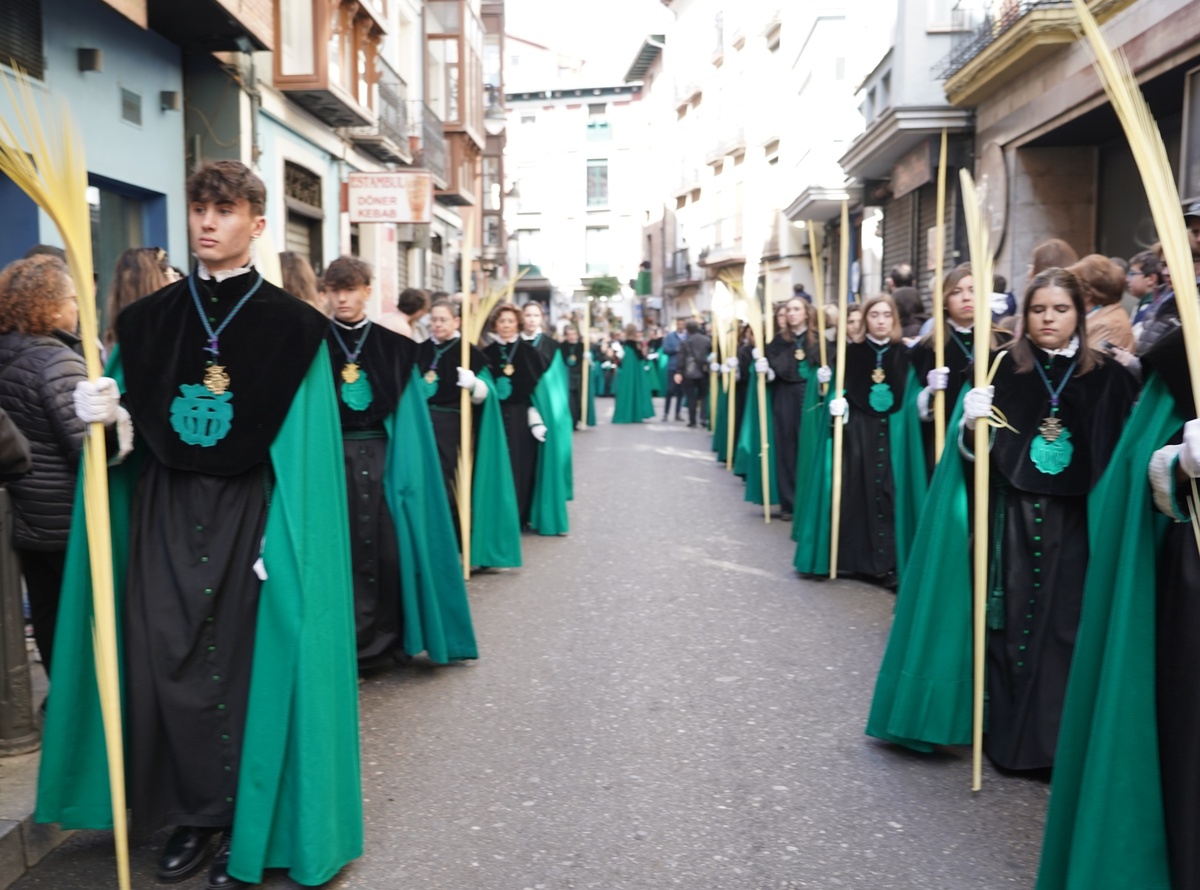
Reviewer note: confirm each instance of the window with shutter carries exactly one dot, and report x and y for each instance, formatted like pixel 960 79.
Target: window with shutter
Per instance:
pixel 21 36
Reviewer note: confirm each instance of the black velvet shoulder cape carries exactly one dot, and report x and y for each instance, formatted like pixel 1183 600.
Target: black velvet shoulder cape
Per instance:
pixel 387 358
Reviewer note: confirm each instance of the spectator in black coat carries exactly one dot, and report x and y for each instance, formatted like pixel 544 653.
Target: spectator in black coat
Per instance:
pixel 39 368
pixel 14 450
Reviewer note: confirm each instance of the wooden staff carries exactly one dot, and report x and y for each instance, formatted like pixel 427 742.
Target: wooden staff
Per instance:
pixel 465 468
pixel 939 324
pixel 585 337
pixel 52 171
pixel 814 252
pixel 981 269
pixel 835 517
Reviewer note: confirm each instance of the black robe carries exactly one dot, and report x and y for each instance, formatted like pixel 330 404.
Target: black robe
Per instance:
pixel 745 357
pixel 791 382
pixel 959 359
pixel 868 524
pixel 529 364
pixel 572 356
pixel 445 407
pixel 387 360
pixel 200 511
pixel 546 345
pixel 1040 534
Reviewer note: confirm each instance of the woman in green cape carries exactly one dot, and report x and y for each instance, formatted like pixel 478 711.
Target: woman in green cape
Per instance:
pixel 1065 408
pixel 633 404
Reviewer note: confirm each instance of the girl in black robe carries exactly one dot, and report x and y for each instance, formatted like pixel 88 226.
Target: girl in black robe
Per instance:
pixel 439 360
pixel 522 364
pixel 370 366
pixel 745 361
pixel 793 357
pixel 533 321
pixel 1066 408
pixel 958 292
pixel 876 379
pixel 572 355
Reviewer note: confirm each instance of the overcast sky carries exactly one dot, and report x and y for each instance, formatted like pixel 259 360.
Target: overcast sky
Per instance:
pixel 606 33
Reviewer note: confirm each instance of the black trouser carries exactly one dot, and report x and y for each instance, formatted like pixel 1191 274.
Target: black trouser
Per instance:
pixel 675 390
pixel 694 391
pixel 43 571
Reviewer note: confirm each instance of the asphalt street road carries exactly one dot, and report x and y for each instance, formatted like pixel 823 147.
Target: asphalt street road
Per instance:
pixel 659 702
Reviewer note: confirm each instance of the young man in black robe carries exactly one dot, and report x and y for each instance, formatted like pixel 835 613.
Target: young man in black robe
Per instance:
pixel 371 366
pixel 217 370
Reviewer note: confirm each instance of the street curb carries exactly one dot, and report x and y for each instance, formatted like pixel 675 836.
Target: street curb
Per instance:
pixel 23 842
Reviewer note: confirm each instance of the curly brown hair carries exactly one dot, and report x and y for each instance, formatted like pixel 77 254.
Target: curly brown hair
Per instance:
pixel 225 182
pixel 32 292
pixel 500 309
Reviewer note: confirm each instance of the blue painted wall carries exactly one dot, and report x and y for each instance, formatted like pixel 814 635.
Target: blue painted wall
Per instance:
pixel 148 161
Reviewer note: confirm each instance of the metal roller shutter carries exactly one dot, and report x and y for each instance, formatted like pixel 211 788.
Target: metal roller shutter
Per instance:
pixel 898 241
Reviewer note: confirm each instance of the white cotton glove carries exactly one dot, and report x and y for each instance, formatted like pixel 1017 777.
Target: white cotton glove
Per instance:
pixel 976 404
pixel 938 379
pixel 839 408
pixel 97 401
pixel 732 364
pixel 712 356
pixel 824 374
pixel 756 353
pixel 716 367
pixel 653 355
pixel 467 378
pixel 538 431
pixel 618 350
pixel 999 303
pixel 1189 453
pixel 761 366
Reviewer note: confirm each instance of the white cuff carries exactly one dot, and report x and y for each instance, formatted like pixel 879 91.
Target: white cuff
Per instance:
pixel 534 418
pixel 1162 481
pixel 618 350
pixel 479 392
pixel 124 436
pixel 925 404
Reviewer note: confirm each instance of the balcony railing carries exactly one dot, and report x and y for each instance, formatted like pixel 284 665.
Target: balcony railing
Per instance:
pixel 429 150
pixel 680 267
pixel 979 30
pixel 388 138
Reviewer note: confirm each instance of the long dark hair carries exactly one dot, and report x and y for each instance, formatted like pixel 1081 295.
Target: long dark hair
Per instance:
pixel 1022 348
pixel 140 271
pixel 810 333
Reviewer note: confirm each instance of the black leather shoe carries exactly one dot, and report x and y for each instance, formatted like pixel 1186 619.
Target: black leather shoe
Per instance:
pixel 218 875
pixel 185 853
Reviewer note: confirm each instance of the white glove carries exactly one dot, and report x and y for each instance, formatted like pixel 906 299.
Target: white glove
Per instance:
pixel 824 374
pixel 712 356
pixel 761 366
pixel 1189 454
pixel 96 401
pixel 538 431
pixel 732 364
pixel 124 437
pixel 976 404
pixel 839 408
pixel 618 350
pixel 756 353
pixel 653 355
pixel 715 367
pixel 466 378
pixel 999 303
pixel 938 379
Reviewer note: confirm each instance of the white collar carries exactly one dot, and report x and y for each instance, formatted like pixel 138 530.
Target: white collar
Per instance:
pixel 438 342
pixel 221 274
pixel 500 339
pixel 879 342
pixel 525 336
pixel 361 323
pixel 961 330
pixel 1067 351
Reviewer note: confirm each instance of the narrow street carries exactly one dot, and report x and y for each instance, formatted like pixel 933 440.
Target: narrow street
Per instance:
pixel 660 702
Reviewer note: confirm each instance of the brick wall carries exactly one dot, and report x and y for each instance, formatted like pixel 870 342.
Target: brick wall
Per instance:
pixel 257 15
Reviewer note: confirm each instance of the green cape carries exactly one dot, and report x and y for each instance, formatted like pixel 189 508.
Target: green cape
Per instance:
pixel 632 389
pixel 553 482
pixel 814 480
pixel 814 484
pixel 299 802
pixel 1105 828
pixel 659 378
pixel 720 435
pixel 495 525
pixel 747 460
pixel 923 694
pixel 433 594
pixel 595 381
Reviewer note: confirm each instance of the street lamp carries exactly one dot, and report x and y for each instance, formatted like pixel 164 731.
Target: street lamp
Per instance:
pixel 494 118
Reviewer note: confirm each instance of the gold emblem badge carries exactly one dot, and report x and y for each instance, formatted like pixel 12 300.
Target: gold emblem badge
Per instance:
pixel 216 380
pixel 350 372
pixel 1051 429
pixel 509 370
